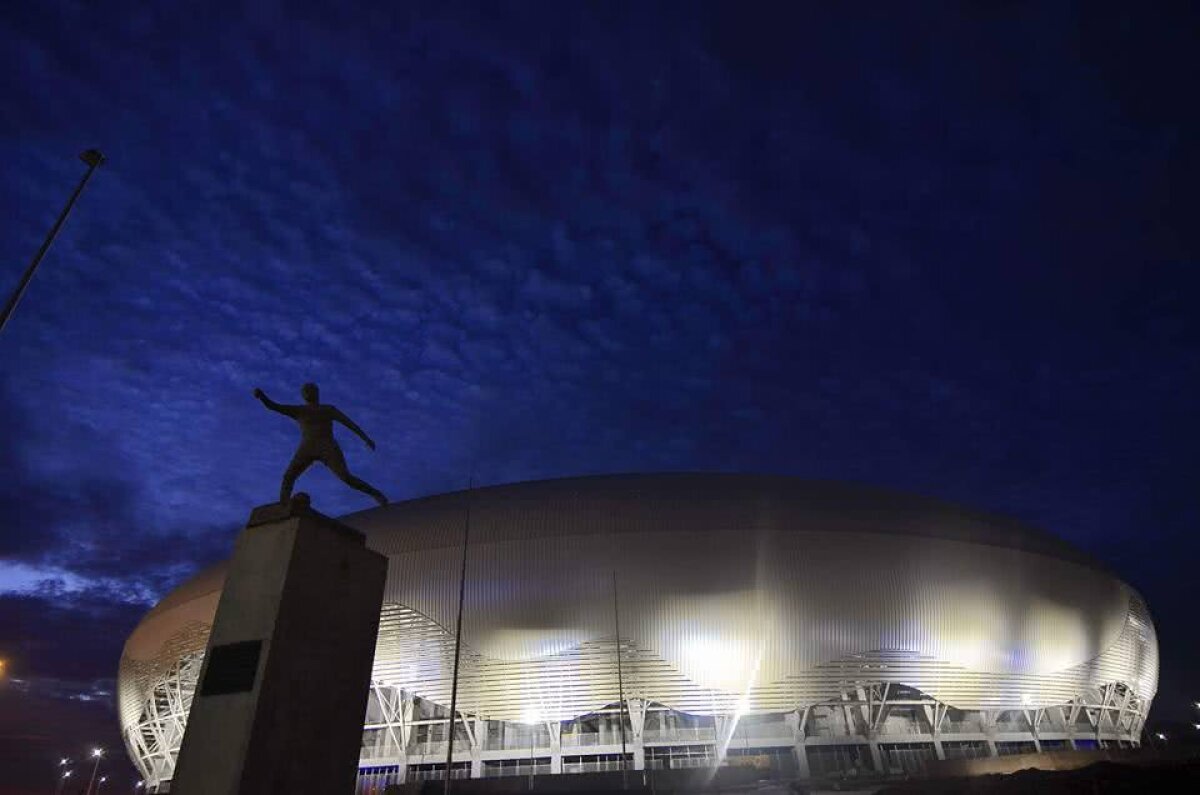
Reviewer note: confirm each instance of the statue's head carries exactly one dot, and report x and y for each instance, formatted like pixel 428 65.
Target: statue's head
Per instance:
pixel 310 393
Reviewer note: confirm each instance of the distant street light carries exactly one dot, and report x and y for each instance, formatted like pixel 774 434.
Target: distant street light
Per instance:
pixel 93 159
pixel 97 753
pixel 62 782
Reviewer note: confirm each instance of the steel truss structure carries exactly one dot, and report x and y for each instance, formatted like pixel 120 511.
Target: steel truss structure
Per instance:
pixel 881 719
pixel 869 727
pixel 154 738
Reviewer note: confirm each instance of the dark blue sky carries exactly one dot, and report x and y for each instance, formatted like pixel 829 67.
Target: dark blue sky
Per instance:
pixel 942 248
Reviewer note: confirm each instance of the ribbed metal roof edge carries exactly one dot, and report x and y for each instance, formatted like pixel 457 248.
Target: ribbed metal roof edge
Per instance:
pixel 859 496
pixel 200 584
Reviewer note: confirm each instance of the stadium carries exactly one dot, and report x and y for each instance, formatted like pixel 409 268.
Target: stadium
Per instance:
pixel 806 629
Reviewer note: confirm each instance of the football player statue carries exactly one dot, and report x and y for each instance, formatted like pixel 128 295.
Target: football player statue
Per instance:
pixel 317 443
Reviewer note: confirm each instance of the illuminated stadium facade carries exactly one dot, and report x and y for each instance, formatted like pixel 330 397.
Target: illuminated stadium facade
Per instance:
pixel 808 629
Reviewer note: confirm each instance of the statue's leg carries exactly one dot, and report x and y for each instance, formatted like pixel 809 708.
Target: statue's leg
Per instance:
pixel 336 461
pixel 301 461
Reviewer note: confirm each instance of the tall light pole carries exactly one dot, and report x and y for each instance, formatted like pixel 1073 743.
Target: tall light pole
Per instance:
pixel 620 683
pixel 93 159
pixel 462 595
pixel 62 782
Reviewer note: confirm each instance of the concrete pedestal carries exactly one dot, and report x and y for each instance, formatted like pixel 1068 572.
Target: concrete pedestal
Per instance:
pixel 280 703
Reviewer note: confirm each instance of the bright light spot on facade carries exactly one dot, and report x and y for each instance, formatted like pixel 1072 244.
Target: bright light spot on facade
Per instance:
pixel 714 660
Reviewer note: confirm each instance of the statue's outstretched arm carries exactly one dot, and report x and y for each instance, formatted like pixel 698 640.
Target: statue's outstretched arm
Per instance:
pixel 282 408
pixel 353 426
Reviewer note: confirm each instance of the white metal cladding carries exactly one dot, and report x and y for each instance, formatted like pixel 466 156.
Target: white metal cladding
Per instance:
pixel 736 593
pixel 415 654
pixel 745 585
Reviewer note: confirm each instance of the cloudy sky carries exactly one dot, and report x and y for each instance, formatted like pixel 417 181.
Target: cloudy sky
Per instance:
pixel 933 247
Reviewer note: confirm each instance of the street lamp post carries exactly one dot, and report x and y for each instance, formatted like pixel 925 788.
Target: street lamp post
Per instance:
pixel 93 159
pixel 62 782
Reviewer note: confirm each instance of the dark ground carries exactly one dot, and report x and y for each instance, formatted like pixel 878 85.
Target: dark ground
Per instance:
pixel 1163 776
pixel 1144 776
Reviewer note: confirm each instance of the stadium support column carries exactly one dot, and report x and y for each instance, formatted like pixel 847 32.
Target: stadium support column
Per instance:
pixel 797 721
pixel 1034 717
pixel 637 724
pixel 936 715
pixel 990 716
pixel 869 728
pixel 554 732
pixel 280 702
pixel 723 728
pixel 851 726
pixel 406 723
pixel 395 713
pixel 1120 723
pixel 1070 715
pixel 478 736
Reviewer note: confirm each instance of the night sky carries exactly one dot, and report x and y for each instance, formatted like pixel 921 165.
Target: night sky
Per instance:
pixel 949 249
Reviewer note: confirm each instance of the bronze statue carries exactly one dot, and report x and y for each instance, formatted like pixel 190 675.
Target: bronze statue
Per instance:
pixel 317 442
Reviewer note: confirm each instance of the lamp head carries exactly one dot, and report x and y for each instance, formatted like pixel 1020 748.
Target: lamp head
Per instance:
pixel 92 157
